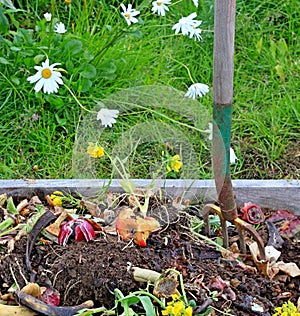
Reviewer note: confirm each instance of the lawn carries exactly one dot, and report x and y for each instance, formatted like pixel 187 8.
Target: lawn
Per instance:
pixel 143 70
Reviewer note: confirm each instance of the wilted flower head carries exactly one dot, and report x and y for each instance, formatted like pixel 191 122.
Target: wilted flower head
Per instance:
pixel 95 151
pixel 186 24
pixel 107 117
pixel 60 28
pixel 48 16
pixel 160 6
pixel 47 78
pixel 197 90
pixel 129 14
pixel 80 227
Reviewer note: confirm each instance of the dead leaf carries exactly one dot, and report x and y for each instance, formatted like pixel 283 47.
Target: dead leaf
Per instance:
pixel 275 239
pixel 288 224
pixel 54 228
pixel 93 208
pixel 270 269
pixel 289 268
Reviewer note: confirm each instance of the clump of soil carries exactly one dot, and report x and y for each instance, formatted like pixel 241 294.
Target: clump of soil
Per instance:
pixel 92 270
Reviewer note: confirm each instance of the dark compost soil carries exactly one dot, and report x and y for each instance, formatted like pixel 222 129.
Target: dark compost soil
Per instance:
pixel 83 271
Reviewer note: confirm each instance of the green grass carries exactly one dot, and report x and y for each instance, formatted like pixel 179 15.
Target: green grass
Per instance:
pixel 103 56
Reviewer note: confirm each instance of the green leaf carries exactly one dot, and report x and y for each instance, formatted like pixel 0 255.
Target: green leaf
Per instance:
pixel 73 47
pixel 84 84
pixel 87 55
pixel 4 25
pixel 259 45
pixel 129 300
pixel 148 306
pixel 135 33
pixel 60 121
pixel 8 3
pixel 280 72
pixel 11 206
pixel 15 80
pixel 107 70
pixel 127 185
pixel 4 61
pixel 15 48
pixel 69 65
pixel 273 49
pixel 88 71
pixel 282 47
pixel 39 58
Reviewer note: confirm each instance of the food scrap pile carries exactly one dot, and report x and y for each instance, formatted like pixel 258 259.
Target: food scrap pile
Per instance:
pixel 64 254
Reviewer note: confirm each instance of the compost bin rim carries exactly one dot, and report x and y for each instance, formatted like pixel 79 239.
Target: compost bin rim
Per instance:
pixel 277 194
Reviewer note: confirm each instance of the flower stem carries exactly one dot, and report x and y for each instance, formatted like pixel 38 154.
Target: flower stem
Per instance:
pixel 208 240
pixel 185 66
pixel 166 117
pixel 77 101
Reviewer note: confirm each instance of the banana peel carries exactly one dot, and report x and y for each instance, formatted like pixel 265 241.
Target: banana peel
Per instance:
pixel 37 307
pixel 9 310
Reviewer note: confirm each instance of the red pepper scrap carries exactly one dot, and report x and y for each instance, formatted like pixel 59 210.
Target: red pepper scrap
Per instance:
pixel 252 213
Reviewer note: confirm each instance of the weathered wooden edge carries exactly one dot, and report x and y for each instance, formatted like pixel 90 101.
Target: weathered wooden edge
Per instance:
pixel 277 194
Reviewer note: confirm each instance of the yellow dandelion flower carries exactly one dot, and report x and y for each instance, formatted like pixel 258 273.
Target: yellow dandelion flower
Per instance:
pixel 188 311
pixel 178 308
pixel 95 151
pixel 287 309
pixel 175 297
pixel 56 198
pixel 168 310
pixel 175 164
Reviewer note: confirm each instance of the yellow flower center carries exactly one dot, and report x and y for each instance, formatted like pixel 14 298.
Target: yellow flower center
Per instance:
pixel 159 3
pixel 127 15
pixel 46 73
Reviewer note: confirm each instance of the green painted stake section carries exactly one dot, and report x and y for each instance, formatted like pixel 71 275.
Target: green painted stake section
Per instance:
pixel 224 28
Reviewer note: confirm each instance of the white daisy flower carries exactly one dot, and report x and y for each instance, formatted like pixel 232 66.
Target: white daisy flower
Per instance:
pixel 233 156
pixel 48 16
pixel 197 90
pixel 60 28
pixel 186 24
pixel 195 3
pixel 47 78
pixel 107 117
pixel 160 7
pixel 195 32
pixel 129 14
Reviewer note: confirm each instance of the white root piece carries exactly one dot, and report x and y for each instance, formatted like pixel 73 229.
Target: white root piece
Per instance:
pixel 22 205
pixel 145 275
